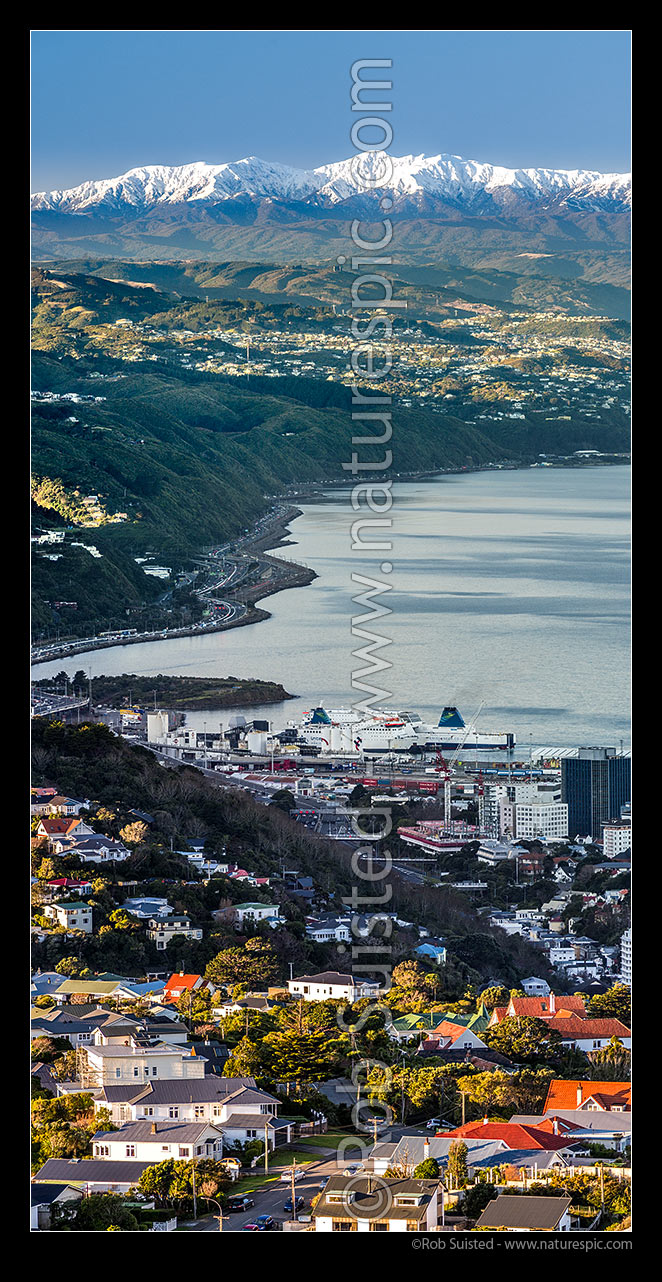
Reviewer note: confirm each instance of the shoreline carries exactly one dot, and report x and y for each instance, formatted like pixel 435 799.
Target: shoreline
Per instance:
pixel 295 575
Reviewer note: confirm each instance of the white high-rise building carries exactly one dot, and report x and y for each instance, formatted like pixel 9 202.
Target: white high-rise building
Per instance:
pixel 541 820
pixel 616 837
pixel 626 957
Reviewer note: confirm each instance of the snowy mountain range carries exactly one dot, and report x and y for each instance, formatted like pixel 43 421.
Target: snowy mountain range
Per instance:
pixel 415 180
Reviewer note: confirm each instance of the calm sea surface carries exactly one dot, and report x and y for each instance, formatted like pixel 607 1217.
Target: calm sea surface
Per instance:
pixel 509 589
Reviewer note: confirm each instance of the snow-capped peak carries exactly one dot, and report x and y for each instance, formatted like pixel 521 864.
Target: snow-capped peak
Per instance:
pixel 444 177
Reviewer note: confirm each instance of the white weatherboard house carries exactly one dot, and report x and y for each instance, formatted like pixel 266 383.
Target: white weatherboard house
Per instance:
pixel 112 1065
pixel 332 985
pixel 257 912
pixel 161 930
pixel 73 916
pixel 158 1141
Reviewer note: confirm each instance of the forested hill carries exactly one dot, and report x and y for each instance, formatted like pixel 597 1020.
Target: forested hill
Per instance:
pixel 163 459
pixel 190 456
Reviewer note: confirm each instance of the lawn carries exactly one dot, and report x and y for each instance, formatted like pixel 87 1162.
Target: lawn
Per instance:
pixel 333 1138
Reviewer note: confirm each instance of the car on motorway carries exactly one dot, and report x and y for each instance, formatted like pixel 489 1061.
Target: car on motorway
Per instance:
pixel 298 1204
pixel 240 1203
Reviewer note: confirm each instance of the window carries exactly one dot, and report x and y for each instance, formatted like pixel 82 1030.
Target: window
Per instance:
pixel 101 1150
pixel 184 1152
pixel 199 1110
pixel 118 1072
pixel 148 1112
pixel 136 1072
pixel 154 1070
pixel 130 1150
pixel 173 1112
pixel 343 1226
pixel 379 1226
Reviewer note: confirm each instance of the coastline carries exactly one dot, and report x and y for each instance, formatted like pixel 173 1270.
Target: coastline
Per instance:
pixel 290 574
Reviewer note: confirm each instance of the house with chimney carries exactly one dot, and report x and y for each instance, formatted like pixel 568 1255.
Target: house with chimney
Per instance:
pixel 136 1059
pixel 595 1097
pixel 543 1006
pixel 234 1104
pixel 157 1141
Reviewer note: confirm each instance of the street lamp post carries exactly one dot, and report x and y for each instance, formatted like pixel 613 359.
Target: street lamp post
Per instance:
pixel 220 1212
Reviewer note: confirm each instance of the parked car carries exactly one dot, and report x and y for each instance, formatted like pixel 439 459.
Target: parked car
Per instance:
pixel 353 1169
pixel 265 1223
pixel 433 1123
pixel 298 1204
pixel 250 1228
pixel 240 1203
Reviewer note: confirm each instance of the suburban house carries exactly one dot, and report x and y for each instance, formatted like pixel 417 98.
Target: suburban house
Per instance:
pixel 57 805
pixel 162 930
pixel 583 1127
pixel 73 916
pixel 539 1007
pixel 433 950
pixel 251 913
pixel 181 983
pixel 92 848
pixel 332 985
pixel 96 989
pixel 446 1028
pixel 92 1175
pixel 527 1214
pixel 535 987
pixel 410 1150
pixel 154 1141
pixel 146 908
pixel 590 1034
pixel 608 1097
pixel 112 1064
pixel 56 828
pixel 365 1205
pixel 234 1104
pixel 326 928
pixel 515 1134
pixel 43 1197
pixel 68 885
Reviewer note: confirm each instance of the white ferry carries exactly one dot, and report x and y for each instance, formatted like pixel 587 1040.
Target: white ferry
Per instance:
pixel 340 730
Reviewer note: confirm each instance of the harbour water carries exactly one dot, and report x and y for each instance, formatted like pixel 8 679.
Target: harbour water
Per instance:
pixel 509 589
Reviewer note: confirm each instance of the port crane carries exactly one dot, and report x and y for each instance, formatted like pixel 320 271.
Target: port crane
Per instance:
pixel 445 767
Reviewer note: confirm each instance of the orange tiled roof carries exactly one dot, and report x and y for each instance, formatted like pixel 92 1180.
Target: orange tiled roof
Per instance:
pixel 515 1135
pixel 181 982
pixel 575 1027
pixel 563 1094
pixel 55 824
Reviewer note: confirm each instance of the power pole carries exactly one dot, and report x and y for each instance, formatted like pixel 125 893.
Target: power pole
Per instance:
pixel 195 1200
pixel 266 1147
pixel 294 1167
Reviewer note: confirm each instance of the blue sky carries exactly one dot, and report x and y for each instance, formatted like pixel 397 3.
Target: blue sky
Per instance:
pixel 105 102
